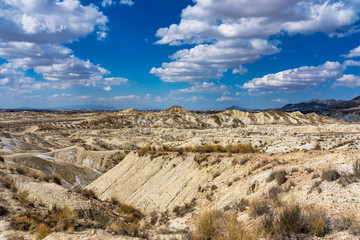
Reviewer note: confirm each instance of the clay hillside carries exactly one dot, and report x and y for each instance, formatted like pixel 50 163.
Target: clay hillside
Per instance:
pixel 179 174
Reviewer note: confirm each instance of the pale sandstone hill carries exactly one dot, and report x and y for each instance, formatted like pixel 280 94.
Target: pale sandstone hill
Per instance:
pixel 175 109
pixel 220 180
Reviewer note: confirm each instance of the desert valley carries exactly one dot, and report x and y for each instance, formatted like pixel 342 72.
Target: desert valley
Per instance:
pixel 177 174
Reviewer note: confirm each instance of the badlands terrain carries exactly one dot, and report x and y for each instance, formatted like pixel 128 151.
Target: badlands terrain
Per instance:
pixel 177 174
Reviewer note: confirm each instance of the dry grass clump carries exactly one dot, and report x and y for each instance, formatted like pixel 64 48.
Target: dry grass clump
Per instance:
pixel 207 148
pixel 291 219
pixel 58 219
pixel 259 207
pixel 279 176
pixel 21 196
pixel 218 226
pixel 88 193
pixel 348 221
pixel 356 168
pixel 242 204
pixel 330 175
pixel 180 211
pixel 42 231
pixel 129 212
pixel 8 183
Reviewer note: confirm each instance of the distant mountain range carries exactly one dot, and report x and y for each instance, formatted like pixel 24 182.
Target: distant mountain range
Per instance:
pixel 339 109
pixel 311 105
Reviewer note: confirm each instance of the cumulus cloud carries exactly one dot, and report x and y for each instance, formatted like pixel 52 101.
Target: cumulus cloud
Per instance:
pixel 279 100
pixel 210 61
pixel 127 97
pixel 47 21
pixel 348 80
pixel 127 2
pixel 225 32
pixel 226 98
pixel 106 3
pixel 300 78
pixel 353 53
pixel 32 34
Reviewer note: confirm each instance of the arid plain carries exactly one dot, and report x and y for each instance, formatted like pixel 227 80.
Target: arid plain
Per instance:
pixel 177 174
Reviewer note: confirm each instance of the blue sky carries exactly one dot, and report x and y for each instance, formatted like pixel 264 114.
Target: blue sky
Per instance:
pixel 201 54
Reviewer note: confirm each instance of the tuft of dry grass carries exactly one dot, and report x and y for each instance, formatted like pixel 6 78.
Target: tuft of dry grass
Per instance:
pixel 356 168
pixel 42 231
pixel 279 176
pixel 259 207
pixel 330 175
pixel 216 225
pixel 207 148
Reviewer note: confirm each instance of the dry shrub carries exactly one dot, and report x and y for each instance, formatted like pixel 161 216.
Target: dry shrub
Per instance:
pixel 129 212
pixel 259 207
pixel 218 226
pixel 88 193
pixel 242 204
pixel 8 183
pixel 21 196
pixel 180 211
pixel 207 148
pixel 292 219
pixel 317 146
pixel 207 226
pixel 348 221
pixel 279 176
pixel 66 219
pixel 356 168
pixel 330 175
pixel 273 193
pixel 42 231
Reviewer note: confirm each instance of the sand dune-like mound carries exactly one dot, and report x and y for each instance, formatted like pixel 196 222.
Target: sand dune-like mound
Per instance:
pixel 130 111
pixel 175 109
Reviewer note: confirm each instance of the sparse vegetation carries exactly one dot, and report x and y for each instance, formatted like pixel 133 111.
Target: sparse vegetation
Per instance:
pixel 259 207
pixel 279 176
pixel 330 175
pixel 216 225
pixel 292 219
pixel 207 148
pixel 180 211
pixel 42 231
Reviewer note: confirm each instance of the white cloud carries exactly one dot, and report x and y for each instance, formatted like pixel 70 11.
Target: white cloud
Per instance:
pixel 348 80
pixel 32 34
pixel 210 61
pixel 353 53
pixel 127 2
pixel 218 27
pixel 60 95
pixel 226 98
pixel 279 100
pixel 128 97
pixel 296 79
pixel 48 21
pixel 106 3
pixel 205 87
pixel 195 99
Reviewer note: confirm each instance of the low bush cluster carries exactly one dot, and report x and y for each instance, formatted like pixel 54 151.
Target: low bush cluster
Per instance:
pixel 207 148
